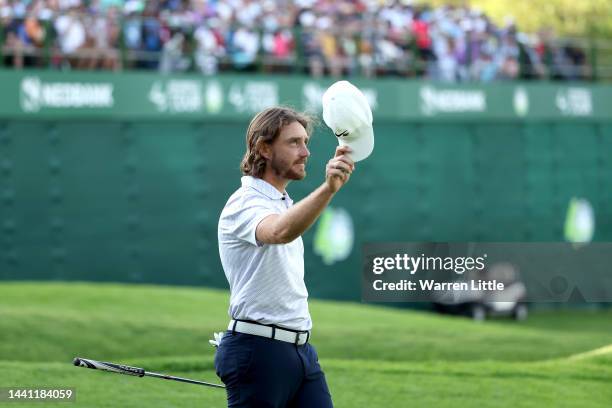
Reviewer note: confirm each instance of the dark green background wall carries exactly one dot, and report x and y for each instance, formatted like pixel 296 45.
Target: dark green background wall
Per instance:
pixel 102 196
pixel 139 202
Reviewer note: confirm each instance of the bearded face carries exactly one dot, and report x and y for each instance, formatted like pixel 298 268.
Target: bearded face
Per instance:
pixel 287 168
pixel 289 153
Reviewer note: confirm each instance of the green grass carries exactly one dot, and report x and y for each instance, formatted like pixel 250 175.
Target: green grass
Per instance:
pixel 373 356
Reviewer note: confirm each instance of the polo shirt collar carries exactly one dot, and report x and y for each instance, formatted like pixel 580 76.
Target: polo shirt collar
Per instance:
pixel 263 187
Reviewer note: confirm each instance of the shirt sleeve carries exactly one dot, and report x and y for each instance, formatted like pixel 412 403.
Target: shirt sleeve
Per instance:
pixel 248 217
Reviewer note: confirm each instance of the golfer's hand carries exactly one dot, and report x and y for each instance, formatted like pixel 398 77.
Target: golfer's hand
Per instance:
pixel 339 169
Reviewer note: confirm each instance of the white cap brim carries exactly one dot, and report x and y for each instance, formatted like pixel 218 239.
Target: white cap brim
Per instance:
pixel 361 142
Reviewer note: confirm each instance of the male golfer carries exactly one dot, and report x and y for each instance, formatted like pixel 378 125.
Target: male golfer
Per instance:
pixel 265 358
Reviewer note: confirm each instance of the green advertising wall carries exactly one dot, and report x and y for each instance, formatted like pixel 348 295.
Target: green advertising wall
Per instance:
pixel 122 177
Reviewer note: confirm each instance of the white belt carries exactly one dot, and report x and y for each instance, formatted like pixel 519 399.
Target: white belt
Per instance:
pixel 271 332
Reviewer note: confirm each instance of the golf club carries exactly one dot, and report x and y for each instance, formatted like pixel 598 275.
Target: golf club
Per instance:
pixel 135 371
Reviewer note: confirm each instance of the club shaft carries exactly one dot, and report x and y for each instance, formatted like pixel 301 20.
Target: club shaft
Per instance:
pixel 185 380
pixel 135 371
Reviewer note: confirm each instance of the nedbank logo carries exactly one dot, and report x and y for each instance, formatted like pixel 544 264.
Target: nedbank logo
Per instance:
pixel 36 94
pixel 312 94
pixel 434 101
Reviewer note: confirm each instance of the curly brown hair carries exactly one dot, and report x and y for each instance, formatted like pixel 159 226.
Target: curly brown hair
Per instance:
pixel 265 128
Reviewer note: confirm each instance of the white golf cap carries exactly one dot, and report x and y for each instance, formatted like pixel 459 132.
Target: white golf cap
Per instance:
pixel 347 112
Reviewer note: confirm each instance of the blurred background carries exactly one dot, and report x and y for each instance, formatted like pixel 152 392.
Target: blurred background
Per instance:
pixel 122 127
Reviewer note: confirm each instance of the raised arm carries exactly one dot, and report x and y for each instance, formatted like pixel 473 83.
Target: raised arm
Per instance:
pixel 286 227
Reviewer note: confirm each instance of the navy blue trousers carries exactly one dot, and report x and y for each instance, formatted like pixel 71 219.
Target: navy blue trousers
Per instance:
pixel 261 372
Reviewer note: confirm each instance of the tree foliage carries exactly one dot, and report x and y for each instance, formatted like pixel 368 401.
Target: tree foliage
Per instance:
pixel 574 18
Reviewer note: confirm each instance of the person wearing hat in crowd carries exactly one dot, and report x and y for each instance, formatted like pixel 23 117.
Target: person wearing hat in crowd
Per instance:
pixel 265 357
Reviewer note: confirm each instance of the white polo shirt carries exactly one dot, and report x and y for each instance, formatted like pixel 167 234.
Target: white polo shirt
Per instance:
pixel 266 281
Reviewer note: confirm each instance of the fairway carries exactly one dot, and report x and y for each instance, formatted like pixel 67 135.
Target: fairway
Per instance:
pixel 373 356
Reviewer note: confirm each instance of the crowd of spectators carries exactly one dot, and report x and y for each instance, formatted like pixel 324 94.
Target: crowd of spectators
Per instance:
pixel 321 37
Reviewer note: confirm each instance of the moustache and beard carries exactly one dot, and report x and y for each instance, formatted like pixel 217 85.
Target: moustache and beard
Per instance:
pixel 285 169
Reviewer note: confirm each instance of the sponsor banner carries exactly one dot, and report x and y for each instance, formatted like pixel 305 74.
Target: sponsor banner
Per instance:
pixel 463 273
pixel 46 94
pixel 36 94
pixel 434 101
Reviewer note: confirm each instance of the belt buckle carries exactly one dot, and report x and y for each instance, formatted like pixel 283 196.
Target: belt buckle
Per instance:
pixel 297 337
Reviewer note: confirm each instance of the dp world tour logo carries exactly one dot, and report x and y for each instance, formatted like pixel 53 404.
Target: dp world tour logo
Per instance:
pixel 334 236
pixel 186 96
pixel 214 97
pixel 520 101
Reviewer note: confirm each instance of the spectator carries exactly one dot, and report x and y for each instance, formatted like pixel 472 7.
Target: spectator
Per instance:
pixel 244 48
pixel 484 69
pixel 278 50
pixel 283 44
pixel 508 56
pixel 104 32
pixel 71 35
pixel 33 27
pixel 173 57
pixel 329 49
pixel 208 49
pixel 366 58
pixel 132 34
pixel 14 32
pixel 420 29
pixel 151 37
